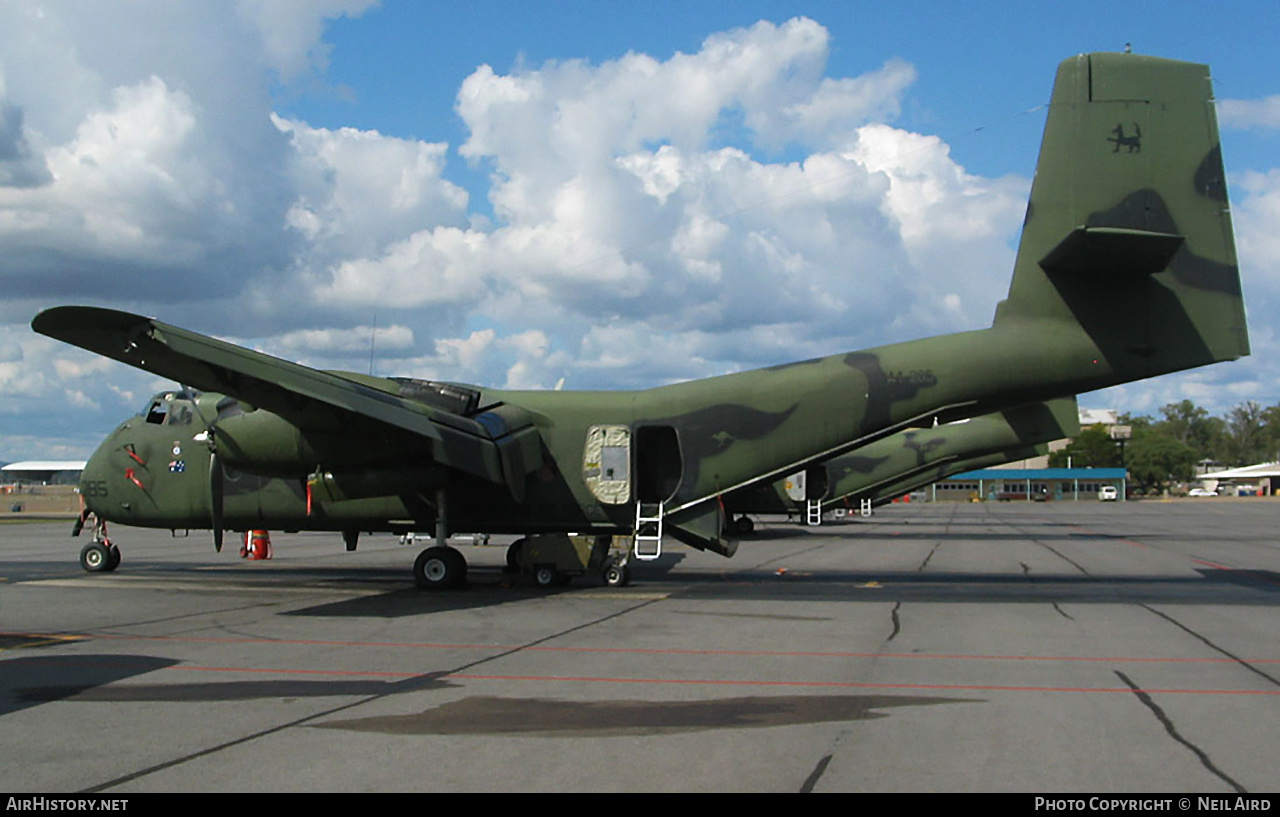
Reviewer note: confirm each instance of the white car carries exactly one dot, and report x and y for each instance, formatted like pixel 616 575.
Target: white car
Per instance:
pixel 1107 493
pixel 1201 492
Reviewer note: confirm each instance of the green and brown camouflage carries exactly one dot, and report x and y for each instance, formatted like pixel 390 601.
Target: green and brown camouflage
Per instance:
pixel 890 491
pixel 1126 270
pixel 910 459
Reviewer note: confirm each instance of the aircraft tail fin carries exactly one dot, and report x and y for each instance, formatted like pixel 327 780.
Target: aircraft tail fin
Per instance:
pixel 1128 233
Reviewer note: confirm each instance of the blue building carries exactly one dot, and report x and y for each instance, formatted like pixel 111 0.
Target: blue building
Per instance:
pixel 1029 484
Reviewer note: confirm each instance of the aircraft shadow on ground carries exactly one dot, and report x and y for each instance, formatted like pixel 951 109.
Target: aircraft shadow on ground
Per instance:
pixel 977 536
pixel 37 679
pixel 1208 587
pixel 33 680
pixel 92 679
pixel 486 587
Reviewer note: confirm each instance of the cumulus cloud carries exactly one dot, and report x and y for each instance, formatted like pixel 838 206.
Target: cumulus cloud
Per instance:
pixel 151 170
pixel 359 191
pixel 358 341
pixel 1256 217
pixel 291 32
pixel 645 220
pixel 19 165
pixel 1260 114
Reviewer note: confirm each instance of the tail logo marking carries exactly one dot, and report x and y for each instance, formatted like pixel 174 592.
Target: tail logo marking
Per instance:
pixel 1133 143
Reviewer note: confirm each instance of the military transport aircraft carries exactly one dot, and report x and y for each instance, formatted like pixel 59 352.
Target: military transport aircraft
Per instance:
pixel 888 468
pixel 1126 269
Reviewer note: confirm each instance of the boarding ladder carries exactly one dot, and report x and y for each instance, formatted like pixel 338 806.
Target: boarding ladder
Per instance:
pixel 864 506
pixel 813 511
pixel 648 536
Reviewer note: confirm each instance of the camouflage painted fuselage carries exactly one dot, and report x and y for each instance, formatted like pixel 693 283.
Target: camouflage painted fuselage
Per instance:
pixel 915 457
pixel 1126 270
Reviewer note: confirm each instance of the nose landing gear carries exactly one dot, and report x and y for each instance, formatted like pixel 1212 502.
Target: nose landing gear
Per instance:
pixel 99 556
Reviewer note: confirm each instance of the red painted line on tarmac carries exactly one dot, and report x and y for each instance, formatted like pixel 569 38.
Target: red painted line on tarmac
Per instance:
pixel 646 651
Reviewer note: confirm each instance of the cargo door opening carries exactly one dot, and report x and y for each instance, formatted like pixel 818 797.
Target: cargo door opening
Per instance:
pixel 659 466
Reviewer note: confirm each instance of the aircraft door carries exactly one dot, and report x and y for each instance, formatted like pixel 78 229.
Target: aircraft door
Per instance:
pixel 795 486
pixel 659 465
pixel 810 484
pixel 606 463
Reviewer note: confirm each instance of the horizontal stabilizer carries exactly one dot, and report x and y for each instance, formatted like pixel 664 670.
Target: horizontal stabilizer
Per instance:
pixel 1111 251
pixel 702 527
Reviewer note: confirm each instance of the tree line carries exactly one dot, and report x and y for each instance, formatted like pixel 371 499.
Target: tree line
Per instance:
pixel 1165 451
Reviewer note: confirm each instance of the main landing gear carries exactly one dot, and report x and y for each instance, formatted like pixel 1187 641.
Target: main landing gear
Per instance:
pixel 548 560
pixel 440 568
pixel 99 556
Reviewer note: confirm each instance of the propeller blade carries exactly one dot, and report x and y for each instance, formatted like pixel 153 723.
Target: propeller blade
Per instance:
pixel 216 477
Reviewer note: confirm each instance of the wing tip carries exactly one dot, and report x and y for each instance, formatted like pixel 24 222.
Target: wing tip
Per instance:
pixel 61 322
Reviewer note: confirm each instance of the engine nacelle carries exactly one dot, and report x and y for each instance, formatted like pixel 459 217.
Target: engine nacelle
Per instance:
pixel 259 442
pixel 328 487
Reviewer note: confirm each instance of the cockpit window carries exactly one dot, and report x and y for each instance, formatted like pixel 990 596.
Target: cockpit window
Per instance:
pixel 157 412
pixel 180 414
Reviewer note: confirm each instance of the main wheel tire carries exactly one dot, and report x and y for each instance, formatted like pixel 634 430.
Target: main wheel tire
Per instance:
pixel 440 568
pixel 95 558
pixel 616 575
pixel 113 560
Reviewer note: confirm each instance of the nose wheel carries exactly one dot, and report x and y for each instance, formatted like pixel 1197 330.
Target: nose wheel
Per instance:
pixel 99 556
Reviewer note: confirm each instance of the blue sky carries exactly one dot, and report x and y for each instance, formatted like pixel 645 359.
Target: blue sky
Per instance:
pixel 517 193
pixel 982 63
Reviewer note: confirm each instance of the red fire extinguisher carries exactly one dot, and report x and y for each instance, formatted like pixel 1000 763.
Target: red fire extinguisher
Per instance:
pixel 257 544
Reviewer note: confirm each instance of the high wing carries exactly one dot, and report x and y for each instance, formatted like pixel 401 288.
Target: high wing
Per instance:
pixel 497 443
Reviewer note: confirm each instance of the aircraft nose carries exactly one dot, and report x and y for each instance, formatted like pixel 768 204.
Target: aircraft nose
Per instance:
pixel 94 483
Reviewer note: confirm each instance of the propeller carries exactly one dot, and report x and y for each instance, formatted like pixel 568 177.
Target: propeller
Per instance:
pixel 217 474
pixel 216 478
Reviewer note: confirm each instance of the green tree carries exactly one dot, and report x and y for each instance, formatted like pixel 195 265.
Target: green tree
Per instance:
pixel 1191 425
pixel 1271 424
pixel 1156 458
pixel 1247 438
pixel 1094 448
